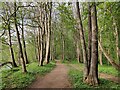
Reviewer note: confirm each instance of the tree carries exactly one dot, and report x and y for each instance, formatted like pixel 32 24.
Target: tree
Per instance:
pixel 82 38
pixel 10 46
pixel 48 31
pixel 92 78
pixel 23 40
pixel 18 38
pixel 7 22
pixel 105 46
pixel 109 58
pixel 119 43
pixel 78 50
pixel 89 34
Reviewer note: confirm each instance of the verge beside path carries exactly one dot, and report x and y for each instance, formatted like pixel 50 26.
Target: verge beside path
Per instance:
pixel 101 75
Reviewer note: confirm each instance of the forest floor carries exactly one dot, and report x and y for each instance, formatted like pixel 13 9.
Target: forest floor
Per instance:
pixel 57 78
pixel 101 75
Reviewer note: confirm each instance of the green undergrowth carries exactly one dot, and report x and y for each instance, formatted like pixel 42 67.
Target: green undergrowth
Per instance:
pixel 14 78
pixel 102 69
pixel 76 80
pixel 108 69
pixel 70 62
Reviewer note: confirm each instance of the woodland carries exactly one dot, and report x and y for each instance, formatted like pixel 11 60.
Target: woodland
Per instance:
pixel 79 39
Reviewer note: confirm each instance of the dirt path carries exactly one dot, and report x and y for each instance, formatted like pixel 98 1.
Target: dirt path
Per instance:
pixel 109 77
pixel 57 78
pixel 101 75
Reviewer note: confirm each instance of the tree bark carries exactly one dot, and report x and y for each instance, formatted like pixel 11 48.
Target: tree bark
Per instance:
pixel 24 45
pixel 43 35
pixel 35 44
pixel 117 40
pixel 48 31
pixel 117 48
pixel 50 26
pixel 10 46
pixel 82 42
pixel 63 48
pixel 78 51
pixel 39 45
pixel 118 30
pixel 19 42
pixel 52 47
pixel 100 52
pixel 92 78
pixel 89 35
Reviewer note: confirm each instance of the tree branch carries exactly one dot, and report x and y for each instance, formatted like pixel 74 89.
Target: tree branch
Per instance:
pixel 2 34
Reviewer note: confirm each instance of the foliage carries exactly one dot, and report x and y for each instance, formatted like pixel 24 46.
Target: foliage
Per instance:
pixel 64 30
pixel 5 55
pixel 101 68
pixel 63 27
pixel 14 78
pixel 107 14
pixel 108 69
pixel 76 76
pixel 35 69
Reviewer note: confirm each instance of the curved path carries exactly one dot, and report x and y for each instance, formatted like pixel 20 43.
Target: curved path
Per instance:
pixel 57 78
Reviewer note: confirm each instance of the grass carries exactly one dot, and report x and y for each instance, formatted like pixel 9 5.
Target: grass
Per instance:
pixel 14 78
pixel 75 77
pixel 108 69
pixel 102 69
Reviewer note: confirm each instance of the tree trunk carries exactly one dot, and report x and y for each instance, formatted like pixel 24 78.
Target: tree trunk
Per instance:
pixel 2 64
pixel 82 42
pixel 92 78
pixel 109 58
pixel 100 52
pixel 43 36
pixel 89 35
pixel 40 48
pixel 117 40
pixel 116 35
pixel 78 51
pixel 52 47
pixel 118 30
pixel 10 47
pixel 35 44
pixel 63 49
pixel 48 25
pixel 24 45
pixel 19 62
pixel 19 43
pixel 39 45
pixel 117 48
